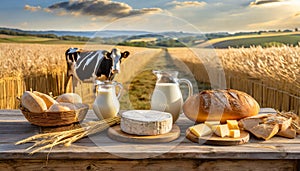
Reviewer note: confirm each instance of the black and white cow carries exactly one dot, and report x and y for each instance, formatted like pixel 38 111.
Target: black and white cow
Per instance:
pixel 87 66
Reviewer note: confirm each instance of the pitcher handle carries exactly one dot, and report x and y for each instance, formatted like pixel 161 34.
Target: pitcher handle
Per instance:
pixel 190 86
pixel 120 89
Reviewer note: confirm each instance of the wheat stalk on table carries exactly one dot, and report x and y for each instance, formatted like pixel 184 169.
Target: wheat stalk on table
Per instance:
pixel 49 140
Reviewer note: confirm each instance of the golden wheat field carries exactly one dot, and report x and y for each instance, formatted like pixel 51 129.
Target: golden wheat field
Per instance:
pixel 43 68
pixel 270 75
pixel 276 66
pixel 29 59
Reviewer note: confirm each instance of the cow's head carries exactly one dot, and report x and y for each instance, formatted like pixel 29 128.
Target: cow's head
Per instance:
pixel 116 56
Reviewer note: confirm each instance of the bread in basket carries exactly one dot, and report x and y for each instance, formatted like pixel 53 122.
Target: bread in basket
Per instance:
pixel 55 118
pixel 36 115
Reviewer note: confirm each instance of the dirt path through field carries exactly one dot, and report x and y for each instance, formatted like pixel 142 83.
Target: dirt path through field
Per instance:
pixel 141 86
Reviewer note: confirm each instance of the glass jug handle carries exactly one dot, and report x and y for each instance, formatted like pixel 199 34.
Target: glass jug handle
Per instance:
pixel 96 86
pixel 190 86
pixel 120 90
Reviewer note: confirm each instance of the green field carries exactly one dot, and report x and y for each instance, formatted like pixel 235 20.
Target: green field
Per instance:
pixel 34 39
pixel 264 40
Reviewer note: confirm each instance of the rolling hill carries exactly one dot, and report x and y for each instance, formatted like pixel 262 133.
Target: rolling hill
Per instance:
pixel 147 39
pixel 264 40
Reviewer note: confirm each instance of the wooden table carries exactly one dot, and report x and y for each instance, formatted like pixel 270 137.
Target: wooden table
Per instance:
pixel 99 152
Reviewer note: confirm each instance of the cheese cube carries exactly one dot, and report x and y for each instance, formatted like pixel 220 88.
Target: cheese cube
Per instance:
pixel 233 124
pixel 234 133
pixel 211 123
pixel 201 130
pixel 221 130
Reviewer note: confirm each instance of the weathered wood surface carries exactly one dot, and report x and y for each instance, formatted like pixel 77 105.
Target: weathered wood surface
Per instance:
pixel 99 151
pixel 159 165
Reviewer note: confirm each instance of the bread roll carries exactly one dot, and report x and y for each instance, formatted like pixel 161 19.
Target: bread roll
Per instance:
pixel 69 98
pixel 62 107
pixel 220 105
pixel 47 99
pixel 33 102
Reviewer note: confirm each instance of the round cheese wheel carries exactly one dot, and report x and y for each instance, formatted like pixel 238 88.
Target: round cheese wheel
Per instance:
pixel 146 122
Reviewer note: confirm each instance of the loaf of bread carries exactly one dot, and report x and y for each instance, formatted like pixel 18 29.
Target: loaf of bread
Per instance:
pixel 62 107
pixel 33 102
pixel 47 99
pixel 69 98
pixel 220 105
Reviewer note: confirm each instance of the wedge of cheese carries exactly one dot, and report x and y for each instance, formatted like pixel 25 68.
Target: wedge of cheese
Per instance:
pixel 234 133
pixel 211 123
pixel 221 130
pixel 233 124
pixel 201 130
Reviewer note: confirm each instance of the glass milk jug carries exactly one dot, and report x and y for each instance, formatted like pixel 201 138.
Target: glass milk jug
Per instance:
pixel 106 104
pixel 167 96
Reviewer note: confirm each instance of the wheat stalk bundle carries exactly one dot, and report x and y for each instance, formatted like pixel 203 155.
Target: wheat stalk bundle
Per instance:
pixel 49 140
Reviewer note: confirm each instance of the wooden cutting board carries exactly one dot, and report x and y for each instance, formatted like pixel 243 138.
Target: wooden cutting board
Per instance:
pixel 216 140
pixel 117 134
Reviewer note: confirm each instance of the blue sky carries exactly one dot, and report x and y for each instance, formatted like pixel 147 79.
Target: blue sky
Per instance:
pixel 151 15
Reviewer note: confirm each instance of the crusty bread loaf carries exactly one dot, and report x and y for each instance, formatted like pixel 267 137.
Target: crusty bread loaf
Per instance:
pixel 47 99
pixel 62 107
pixel 33 102
pixel 220 105
pixel 69 98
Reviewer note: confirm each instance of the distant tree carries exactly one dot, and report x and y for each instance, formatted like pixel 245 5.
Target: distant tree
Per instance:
pixel 287 30
pixel 296 29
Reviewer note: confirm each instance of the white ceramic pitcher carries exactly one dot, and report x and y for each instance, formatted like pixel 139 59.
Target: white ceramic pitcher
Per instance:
pixel 106 104
pixel 167 96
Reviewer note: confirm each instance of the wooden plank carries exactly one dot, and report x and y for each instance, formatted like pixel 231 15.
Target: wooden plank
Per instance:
pixel 102 147
pixel 117 150
pixel 137 165
pixel 201 152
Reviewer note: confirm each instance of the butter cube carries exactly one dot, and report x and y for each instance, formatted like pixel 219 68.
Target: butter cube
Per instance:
pixel 211 123
pixel 234 133
pixel 233 124
pixel 221 130
pixel 201 130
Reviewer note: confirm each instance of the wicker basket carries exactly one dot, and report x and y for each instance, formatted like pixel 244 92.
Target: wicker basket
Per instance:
pixel 55 118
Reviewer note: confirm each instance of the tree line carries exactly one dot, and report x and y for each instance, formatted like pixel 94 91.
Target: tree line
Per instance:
pixel 52 36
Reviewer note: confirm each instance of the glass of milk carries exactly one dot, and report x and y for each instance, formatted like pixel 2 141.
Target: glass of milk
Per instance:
pixel 167 95
pixel 106 104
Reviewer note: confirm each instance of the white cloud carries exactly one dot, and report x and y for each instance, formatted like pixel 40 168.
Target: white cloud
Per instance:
pixel 98 8
pixel 267 2
pixel 187 4
pixel 284 22
pixel 236 15
pixel 32 8
pixel 207 16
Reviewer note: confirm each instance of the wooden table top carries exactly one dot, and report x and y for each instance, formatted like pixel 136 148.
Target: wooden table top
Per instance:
pixel 14 127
